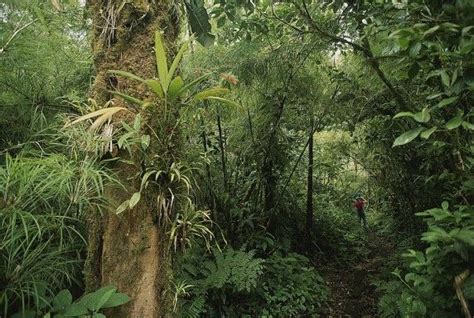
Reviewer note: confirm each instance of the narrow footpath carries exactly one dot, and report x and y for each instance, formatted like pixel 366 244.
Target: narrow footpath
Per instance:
pixel 352 293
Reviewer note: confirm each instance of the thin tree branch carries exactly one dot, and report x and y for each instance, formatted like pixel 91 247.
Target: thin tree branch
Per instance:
pixel 365 49
pixel 275 16
pixel 287 182
pixel 15 33
pixel 317 29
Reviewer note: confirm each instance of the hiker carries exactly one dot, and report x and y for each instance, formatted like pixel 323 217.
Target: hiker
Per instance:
pixel 359 203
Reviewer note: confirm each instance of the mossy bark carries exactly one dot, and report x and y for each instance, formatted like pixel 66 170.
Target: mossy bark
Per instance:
pixel 127 250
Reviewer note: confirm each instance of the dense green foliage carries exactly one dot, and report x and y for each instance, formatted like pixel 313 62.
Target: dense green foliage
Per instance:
pixel 378 94
pixel 43 202
pixel 89 305
pixel 44 63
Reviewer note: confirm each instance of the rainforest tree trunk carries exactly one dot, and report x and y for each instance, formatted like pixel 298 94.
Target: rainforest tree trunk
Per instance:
pixel 309 195
pixel 222 149
pixel 127 251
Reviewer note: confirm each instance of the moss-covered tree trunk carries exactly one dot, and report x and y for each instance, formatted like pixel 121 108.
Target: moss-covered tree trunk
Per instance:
pixel 127 251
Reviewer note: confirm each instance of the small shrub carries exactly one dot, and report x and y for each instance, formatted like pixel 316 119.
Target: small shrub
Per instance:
pixel 228 274
pixel 426 281
pixel 290 287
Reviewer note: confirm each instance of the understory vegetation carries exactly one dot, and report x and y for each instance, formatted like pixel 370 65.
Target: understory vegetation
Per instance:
pixel 225 154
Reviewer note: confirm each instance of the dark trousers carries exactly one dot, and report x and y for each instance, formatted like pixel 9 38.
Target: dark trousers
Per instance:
pixel 362 218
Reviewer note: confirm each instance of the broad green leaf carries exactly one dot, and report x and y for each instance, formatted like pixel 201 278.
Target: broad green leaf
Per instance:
pixel 155 86
pixel 404 114
pixel 466 47
pixel 403 43
pixel 216 91
pixel 445 205
pixel 176 61
pixel 75 310
pixel 145 178
pixel 423 116
pixel 117 299
pixel 451 26
pixel 161 61
pixel 98 315
pixel 394 34
pixel 407 136
pixel 433 96
pixel 104 298
pixel 128 98
pixel 93 300
pixel 445 78
pixel 134 200
pixel 447 101
pixel 466 30
pixel 419 307
pixel 466 236
pixel 467 125
pixel 62 300
pixel 397 273
pixel 433 73
pixel 199 21
pixel 469 184
pixel 435 234
pixel 145 141
pixel 427 133
pixel 455 76
pixel 454 123
pixel 431 30
pixel 122 207
pixel 127 74
pixel 137 123
pixel 439 214
pixel 414 49
pixel 175 87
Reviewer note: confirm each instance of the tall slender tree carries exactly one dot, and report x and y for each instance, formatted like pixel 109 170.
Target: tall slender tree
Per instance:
pixel 309 195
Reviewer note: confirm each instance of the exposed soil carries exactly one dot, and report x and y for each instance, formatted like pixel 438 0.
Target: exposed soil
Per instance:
pixel 352 293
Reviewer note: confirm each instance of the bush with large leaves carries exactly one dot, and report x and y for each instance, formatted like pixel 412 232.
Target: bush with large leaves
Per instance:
pixel 440 51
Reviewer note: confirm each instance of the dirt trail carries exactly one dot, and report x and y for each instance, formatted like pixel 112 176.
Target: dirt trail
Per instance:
pixel 352 293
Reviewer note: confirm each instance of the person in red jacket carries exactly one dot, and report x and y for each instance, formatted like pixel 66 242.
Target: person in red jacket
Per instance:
pixel 360 203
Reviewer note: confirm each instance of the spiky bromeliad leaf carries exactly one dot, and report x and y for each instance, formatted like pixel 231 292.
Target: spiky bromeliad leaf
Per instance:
pixel 199 21
pixel 215 91
pixel 176 61
pixel 161 61
pixel 155 86
pixel 102 116
pixel 128 98
pixel 127 74
pixel 175 87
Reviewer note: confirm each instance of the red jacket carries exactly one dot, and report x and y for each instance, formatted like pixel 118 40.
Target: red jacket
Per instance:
pixel 359 204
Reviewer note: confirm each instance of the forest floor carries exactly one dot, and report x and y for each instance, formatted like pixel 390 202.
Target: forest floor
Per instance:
pixel 352 292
